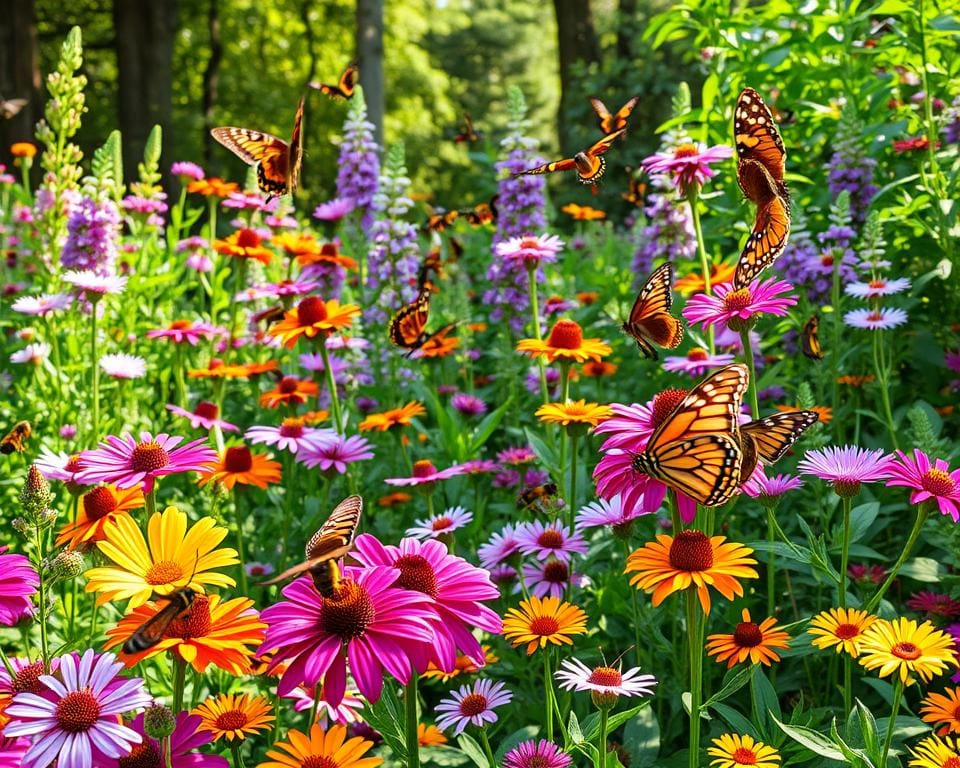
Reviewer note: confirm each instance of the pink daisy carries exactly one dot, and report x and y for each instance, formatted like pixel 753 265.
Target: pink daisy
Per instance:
pixel 697 362
pixel 199 262
pixel 257 570
pixel 59 466
pixel 737 309
pixel 615 475
pixel 502 545
pixel 346 712
pixel 759 486
pixel 554 539
pixel 42 305
pixel 94 285
pixel 472 704
pixel 123 366
pixel 479 466
pixel 550 578
pixel 574 675
pixel 631 425
pixel 180 331
pixel 689 164
pixel 608 513
pixel 875 319
pixel 187 170
pixel 521 454
pixel 468 405
pixel 934 604
pixel 291 435
pixel 336 453
pixel 445 523
pixel 425 472
pixel 205 415
pixel 35 354
pixel 12 751
pixel 530 251
pixel 18 583
pixel 877 287
pixel 186 737
pixel 536 754
pixel 333 210
pixel 952 360
pixel 847 467
pixel 928 481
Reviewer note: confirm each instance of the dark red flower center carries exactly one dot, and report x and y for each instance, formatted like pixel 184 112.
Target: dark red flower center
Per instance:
pixel 78 711
pixel 747 635
pixel 875 284
pixel 826 259
pixel 196 624
pixel 606 676
pixel 292 428
pixel 697 354
pixel 846 631
pixel 556 572
pixel 238 459
pixel 441 523
pixel 691 551
pixel 744 756
pixel 99 503
pixel 530 243
pixel 181 325
pixel 738 300
pixel 233 720
pixel 551 538
pixel 665 402
pixel 348 612
pixel 329 250
pixel 416 574
pixel 566 334
pixel 288 385
pixel 938 483
pixel 312 310
pixel 544 625
pixel 148 457
pixel 73 465
pixel 206 410
pixel 247 238
pixel 319 761
pixel 144 755
pixel 27 680
pixel 685 150
pixel 473 704
pixel 906 651
pixel 424 468
pixel 538 761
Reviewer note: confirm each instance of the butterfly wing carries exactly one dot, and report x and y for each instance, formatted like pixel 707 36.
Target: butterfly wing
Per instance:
pixel 348 80
pixel 408 324
pixel 269 154
pixel 773 435
pixel 606 119
pixel 10 107
pixel 601 146
pixel 705 467
pixel 295 151
pixel 810 339
pixel 650 320
pixel 558 165
pixel 766 242
pixel 620 118
pixel 590 163
pixel 757 138
pixel 151 631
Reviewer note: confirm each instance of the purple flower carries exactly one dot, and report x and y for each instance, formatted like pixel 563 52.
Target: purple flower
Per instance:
pixel 877 287
pixel 42 305
pixel 249 201
pixel 759 486
pixel 93 230
pixel 550 578
pixel 440 525
pixel 522 454
pixel 479 466
pixel 333 210
pixel 697 362
pixel 472 705
pixel 851 168
pixel 335 453
pixel 93 284
pixel 529 251
pixel 847 467
pixel 187 170
pixel 604 513
pixel 501 546
pixel 688 164
pixel 952 360
pixel 358 167
pixel 185 738
pixel 536 754
pixel 291 435
pixel 737 309
pixel 468 405
pixel 205 415
pixel 536 538
pixel 880 319
pixel 18 583
pixel 928 481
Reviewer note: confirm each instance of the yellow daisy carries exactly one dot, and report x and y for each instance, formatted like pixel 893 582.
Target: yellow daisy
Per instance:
pixel 574 412
pixel 733 750
pixel 566 343
pixel 540 621
pixel 842 628
pixel 233 716
pixel 903 647
pixel 934 752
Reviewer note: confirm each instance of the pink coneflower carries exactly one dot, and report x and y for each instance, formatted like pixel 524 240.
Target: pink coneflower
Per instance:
pixel 517 456
pixel 689 164
pixel 631 425
pixel 247 201
pixel 867 574
pixel 615 475
pixel 123 366
pixel 934 604
pixel 536 538
pixel 194 243
pixel 335 453
pixel 205 415
pixel 292 435
pixel 43 304
pixel 187 170
pixel 126 462
pixel 550 578
pixel 380 626
pixel 881 319
pixel 77 717
pixel 505 576
pixel 199 262
pixel 256 570
pixel 697 362
pixel 759 486
pixel 877 287
pixel 186 737
pixel 180 331
pixel 425 472
pixel 502 544
pixel 446 522
pixel 457 588
pixel 94 285
pixel 278 290
pixel 737 309
pixel 536 754
pixel 928 481
pixel 468 405
pixel 574 675
pixel 346 712
pixel 339 341
pixel 479 466
pixel 34 354
pixel 12 751
pixel 610 512
pixel 530 251
pixel 333 210
pixel 18 583
pixel 846 467
pixel 472 704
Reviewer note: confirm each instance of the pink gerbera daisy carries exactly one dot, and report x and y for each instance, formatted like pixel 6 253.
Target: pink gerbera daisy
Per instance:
pixel 445 523
pixel 846 467
pixel 550 578
pixel 530 251
pixel 335 453
pixel 536 538
pixel 697 362
pixel 204 415
pixel 536 754
pixel 292 435
pixel 689 164
pixel 738 308
pixel 502 545
pixel 425 472
pixel 180 331
pixel 18 583
pixel 928 481
pixel 472 705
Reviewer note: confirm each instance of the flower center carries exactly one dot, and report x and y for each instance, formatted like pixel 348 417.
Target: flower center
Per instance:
pixel 938 482
pixel 73 465
pixel 826 260
pixel 877 284
pixel 566 334
pixel 195 624
pixel 737 301
pixel 744 756
pixel 441 523
pixel 550 539
pixel 144 755
pixel 846 489
pixel 538 761
pixel 288 385
pixel 473 704
pixel 747 635
pixel 27 680
pixel 329 250
pixel 292 428
pixel 78 711
pixel 423 468
pixel 233 720
pixel 348 612
pixel 664 403
pixel 206 410
pixel 181 325
pixel 875 317
pixel 247 238
pixel 906 651
pixel 685 150
pixel 163 572
pixel 697 354
pixel 312 310
pixel 238 459
pixel 691 551
pixel 530 243
pixel 416 574
pixel 846 631
pixel 952 762
pixel 544 625
pixel 606 676
pixel 556 572
pixel 99 503
pixel 319 761
pixel 148 457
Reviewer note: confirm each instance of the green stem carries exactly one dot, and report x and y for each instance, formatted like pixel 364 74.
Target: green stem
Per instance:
pixel 236 749
pixel 847 685
pixel 42 603
pixel 634 599
pixel 922 512
pixel 548 686
pixel 94 374
pixel 179 682
pixel 892 723
pixel 847 503
pixel 240 283
pixel 771 563
pixel 58 375
pixel 835 352
pixel 178 378
pixel 332 387
pixel 288 500
pixel 238 523
pixel 693 195
pixel 696 673
pixel 410 705
pixel 150 501
pixel 883 384
pixel 572 501
pixel 485 741
pixel 535 315
pixel 602 738
pixel 752 384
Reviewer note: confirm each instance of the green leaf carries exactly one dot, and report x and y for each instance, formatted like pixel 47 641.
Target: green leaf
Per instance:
pixel 591 726
pixel 543 451
pixel 573 730
pixel 708 95
pixel 868 730
pixel 641 738
pixel 486 427
pixel 813 740
pixel 921 569
pixel 471 749
pixel 736 721
pixel 862 518
pixel 444 756
pixel 851 755
pixel 733 682
pixel 765 700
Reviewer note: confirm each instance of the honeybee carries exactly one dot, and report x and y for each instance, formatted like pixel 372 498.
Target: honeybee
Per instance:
pixel 535 494
pixel 16 438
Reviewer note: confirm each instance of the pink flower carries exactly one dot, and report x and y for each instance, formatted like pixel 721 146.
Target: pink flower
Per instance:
pixel 291 435
pixel 631 425
pixel 123 366
pixel 445 523
pixel 689 164
pixel 952 360
pixel 536 754
pixel 18 583
pixel 550 578
pixel 180 331
pixel 187 170
pixel 554 539
pixel 928 481
pixel 205 415
pixel 468 405
pixel 59 466
pixel 35 354
pixel 575 675
pixel 43 304
pixel 877 287
pixel 502 545
pixel 479 466
pixel 185 738
pixel 607 513
pixel 94 285
pixel 345 713
pixel 934 604
pixel 738 309
pixel 530 251
pixel 333 210
pixel 335 453
pixel 697 362
pixel 472 705
pixel 759 486
pixel 847 467
pixel 875 319
pixel 425 472
pixel 521 454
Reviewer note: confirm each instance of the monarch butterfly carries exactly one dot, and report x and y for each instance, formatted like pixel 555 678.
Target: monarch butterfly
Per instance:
pixel 760 168
pixel 468 133
pixel 650 321
pixel 769 438
pixel 613 122
pixel 10 107
pixel 438 222
pixel 331 542
pixel 16 438
pixel 277 163
pixel 345 86
pixel 696 449
pixel 148 634
pixel 431 263
pixel 589 164
pixel 408 325
pixel 534 494
pixel 482 213
pixel 810 339
pixel 636 193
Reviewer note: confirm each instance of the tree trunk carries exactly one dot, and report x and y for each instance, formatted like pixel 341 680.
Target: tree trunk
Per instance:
pixel 145 31
pixel 19 72
pixel 626 29
pixel 577 46
pixel 211 79
pixel 370 60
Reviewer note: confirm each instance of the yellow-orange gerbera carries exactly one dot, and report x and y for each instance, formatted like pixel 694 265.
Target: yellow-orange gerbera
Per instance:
pixel 296 243
pixel 749 640
pixel 842 628
pixel 583 212
pixel 395 417
pixel 566 343
pixel 573 412
pixel 691 560
pixel 233 716
pixel 439 345
pixel 393 499
pixel 943 710
pixel 463 665
pixel 430 735
pixel 23 149
pixel 244 244
pixel 239 465
pixel 934 752
pixel 213 187
pixel 588 297
pixel 214 632
pixel 321 748
pixel 824 412
pixel 289 390
pixel 328 253
pixel 539 621
pixel 906 648
pixel 97 506
pixel 732 750
pixel 313 317
pixel 693 283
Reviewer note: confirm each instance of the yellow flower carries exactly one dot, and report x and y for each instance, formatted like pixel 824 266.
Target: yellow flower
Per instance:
pixel 755 642
pixel 943 708
pixel 574 412
pixel 430 735
pixel 840 627
pixel 233 716
pixel 934 752
pixel 395 417
pixel 733 750
pixel 566 343
pixel 541 621
pixel 326 748
pixel 904 647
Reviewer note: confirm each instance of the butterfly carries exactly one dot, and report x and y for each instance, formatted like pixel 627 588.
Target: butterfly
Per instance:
pixel 10 107
pixel 613 122
pixel 534 494
pixel 810 339
pixel 345 86
pixel 438 222
pixel 696 449
pixel 468 133
pixel 277 163
pixel 482 213
pixel 148 634
pixel 650 321
pixel 589 164
pixel 760 168
pixel 16 438
pixel 431 263
pixel 636 193
pixel 769 438
pixel 408 325
pixel 330 543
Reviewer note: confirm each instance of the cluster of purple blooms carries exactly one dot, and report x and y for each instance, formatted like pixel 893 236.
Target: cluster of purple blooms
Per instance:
pixel 359 164
pixel 93 230
pixel 668 230
pixel 851 169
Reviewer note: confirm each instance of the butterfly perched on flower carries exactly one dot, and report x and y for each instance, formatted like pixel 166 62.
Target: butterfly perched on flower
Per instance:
pixel 408 327
pixel 16 438
pixel 276 161
pixel 11 107
pixel 810 339
pixel 467 134
pixel 345 86
pixel 766 440
pixel 148 634
pixel 589 164
pixel 609 123
pixel 650 321
pixel 482 213
pixel 760 170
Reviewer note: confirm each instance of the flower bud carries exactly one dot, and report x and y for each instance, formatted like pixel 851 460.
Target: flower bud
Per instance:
pixel 67 565
pixel 158 721
pixel 35 495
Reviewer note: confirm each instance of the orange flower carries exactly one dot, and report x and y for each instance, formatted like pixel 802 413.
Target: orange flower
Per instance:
pixel 463 665
pixel 239 465
pixel 693 283
pixel 855 381
pixel 393 499
pixel 824 412
pixel 588 297
pixel 430 735
pixel 297 243
pixel 313 317
pixel 23 149
pixel 244 244
pixel 256 369
pixel 290 390
pixel 755 642
pixel 598 368
pixel 234 716
pixel 944 710
pixel 583 212
pixel 97 506
pixel 328 253
pixel 439 345
pixel 315 417
pixel 566 343
pixel 395 417
pixel 213 187
pixel 476 327
pixel 217 369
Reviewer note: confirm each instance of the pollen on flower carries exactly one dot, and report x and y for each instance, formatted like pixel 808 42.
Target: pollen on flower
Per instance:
pixel 691 551
pixel 685 150
pixel 238 459
pixel 544 625
pixel 441 523
pixel 99 503
pixel 737 301
pixel 665 402
pixel 906 651
pixel 566 334
pixel 556 572
pixel 697 354
pixel 27 679
pixel 144 755
pixel 473 704
pixel 606 676
pixel 292 427
pixel 311 310
pixel 232 720
pixel 149 457
pixel 744 756
pixel 319 761
pixel 938 482
pixel 348 612
pixel 417 574
pixel 163 572
pixel 195 624
pixel 551 538
pixel 846 631
pixel 78 711
pixel 747 635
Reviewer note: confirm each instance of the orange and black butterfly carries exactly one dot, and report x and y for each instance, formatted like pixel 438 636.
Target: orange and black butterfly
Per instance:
pixel 467 133
pixel 277 162
pixel 589 164
pixel 696 449
pixel 345 86
pixel 438 222
pixel 609 123
pixel 482 213
pixel 760 169
pixel 326 546
pixel 148 634
pixel 810 339
pixel 766 440
pixel 650 322
pixel 536 494
pixel 636 193
pixel 408 327
pixel 10 107
pixel 431 264
pixel 16 438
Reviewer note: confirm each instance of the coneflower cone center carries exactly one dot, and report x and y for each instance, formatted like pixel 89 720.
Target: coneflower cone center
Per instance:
pixel 181 325
pixel 319 761
pixel 538 761
pixel 231 721
pixel 423 468
pixel 312 310
pixel 416 574
pixel 876 284
pixel 292 428
pixel 288 385
pixel 441 523
pixel 473 704
pixel 747 635
pixel 606 676
pixel 744 756
pixel 906 651
pixel 556 572
pixel 691 551
pixel 952 762
pixel 566 334
pixel 738 300
pixel 938 483
pixel 27 680
pixel 163 572
pixel 144 755
pixel 846 631
pixel 148 457
pixel 685 150
pixel 238 459
pixel 196 624
pixel 206 410
pixel 875 317
pixel 846 489
pixel 99 503
pixel 697 354
pixel 664 403
pixel 247 238
pixel 348 612
pixel 544 625
pixel 78 711
pixel 550 539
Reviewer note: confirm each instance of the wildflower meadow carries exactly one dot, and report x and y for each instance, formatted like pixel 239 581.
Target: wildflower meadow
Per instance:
pixel 632 443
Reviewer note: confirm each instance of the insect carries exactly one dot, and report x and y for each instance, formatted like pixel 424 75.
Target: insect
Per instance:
pixel 467 133
pixel 769 438
pixel 10 107
pixel 270 315
pixel 431 263
pixel 482 213
pixel 650 321
pixel 636 193
pixel 16 438
pixel 760 168
pixel 589 164
pixel 616 121
pixel 277 162
pixel 148 634
pixel 408 325
pixel 345 85
pixel 536 494
pixel 326 546
pixel 810 339
pixel 696 449
pixel 438 222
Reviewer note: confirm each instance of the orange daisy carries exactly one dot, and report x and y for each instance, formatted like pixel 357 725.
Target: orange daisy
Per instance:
pixel 855 381
pixel 566 343
pixel 943 710
pixel 233 716
pixel 395 417
pixel 463 665
pixel 476 327
pixel 539 621
pixel 213 187
pixel 586 298
pixel 23 149
pixel 583 212
pixel 824 412
pixel 290 390
pixel 315 417
pixel 439 345
pixel 321 748
pixel 430 735
pixel 328 253
pixel 217 369
pixel 239 465
pixel 97 506
pixel 312 317
pixel 693 283
pixel 297 243
pixel 749 640
pixel 244 244
pixel 393 499
pixel 225 634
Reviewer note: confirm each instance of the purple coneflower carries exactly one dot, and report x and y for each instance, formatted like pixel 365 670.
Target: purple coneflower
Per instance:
pixel 180 331
pixel 335 453
pixel 877 287
pixel 541 540
pixel 517 456
pixel 479 466
pixel 59 466
pixel 446 522
pixel 688 165
pixel 928 481
pixel 697 362
pixel 292 435
pixel 205 415
pixel 187 170
pixel 468 405
pixel 333 210
pixel 123 366
pixel 536 754
pixel 199 262
pixel 769 489
pixel 615 475
pixel 574 675
pixel 550 578
pixel 43 304
pixel 472 705
pixel 247 201
pixel 610 512
pixel 425 472
pixel 880 319
pixel 346 712
pixel 738 308
pixel 631 425
pixel 846 467
pixel 531 250
pixel 18 582
pixel 35 354
pixel 94 285
pixel 502 544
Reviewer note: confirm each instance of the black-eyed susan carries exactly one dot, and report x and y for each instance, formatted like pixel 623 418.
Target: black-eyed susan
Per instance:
pixel 565 343
pixel 395 417
pixel 237 465
pixel 233 716
pixel 905 648
pixel 289 391
pixel 574 413
pixel 943 709
pixel 321 748
pixel 97 506
pixel 540 621
pixel 691 560
pixel 749 641
pixel 314 317
pixel 934 752
pixel 840 628
pixel 244 244
pixel 732 750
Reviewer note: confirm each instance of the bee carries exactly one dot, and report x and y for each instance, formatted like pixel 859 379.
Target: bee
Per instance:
pixel 535 494
pixel 16 438
pixel 148 634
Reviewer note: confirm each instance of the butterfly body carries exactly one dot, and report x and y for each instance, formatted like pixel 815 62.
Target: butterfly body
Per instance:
pixel 408 327
pixel 148 634
pixel 766 440
pixel 344 87
pixel 636 193
pixel 16 438
pixel 650 321
pixel 810 339
pixel 589 163
pixel 611 122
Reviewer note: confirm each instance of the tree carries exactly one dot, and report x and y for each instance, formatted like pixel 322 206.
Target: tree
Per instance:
pixel 578 47
pixel 19 70
pixel 369 41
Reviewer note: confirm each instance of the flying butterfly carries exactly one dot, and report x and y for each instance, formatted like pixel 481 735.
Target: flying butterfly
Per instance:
pixel 408 326
pixel 468 134
pixel 650 321
pixel 277 162
pixel 16 438
pixel 326 546
pixel 10 107
pixel 810 339
pixel 768 439
pixel 760 170
pixel 431 264
pixel 696 449
pixel 482 213
pixel 589 164
pixel 345 86
pixel 536 494
pixel 616 121
pixel 148 634
pixel 439 221
pixel 636 193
